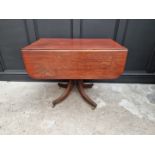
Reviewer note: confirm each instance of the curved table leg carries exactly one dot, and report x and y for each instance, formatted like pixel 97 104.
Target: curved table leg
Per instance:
pixel 84 95
pixel 65 94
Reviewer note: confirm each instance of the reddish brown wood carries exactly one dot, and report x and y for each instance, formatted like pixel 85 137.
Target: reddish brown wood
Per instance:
pixel 74 59
pixel 74 44
pixel 84 95
pixel 65 94
pixel 80 85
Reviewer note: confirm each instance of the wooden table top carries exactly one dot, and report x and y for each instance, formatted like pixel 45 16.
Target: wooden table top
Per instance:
pixel 59 58
pixel 74 44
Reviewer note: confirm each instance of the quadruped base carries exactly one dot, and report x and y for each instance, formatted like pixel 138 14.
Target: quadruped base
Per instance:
pixel 68 88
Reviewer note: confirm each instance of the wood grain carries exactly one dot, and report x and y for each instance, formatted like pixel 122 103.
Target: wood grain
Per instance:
pixel 74 44
pixel 74 59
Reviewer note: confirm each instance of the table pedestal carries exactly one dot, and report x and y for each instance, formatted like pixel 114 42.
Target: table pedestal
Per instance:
pixel 68 88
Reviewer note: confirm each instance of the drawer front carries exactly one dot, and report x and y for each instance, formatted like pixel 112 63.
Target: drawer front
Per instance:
pixel 74 64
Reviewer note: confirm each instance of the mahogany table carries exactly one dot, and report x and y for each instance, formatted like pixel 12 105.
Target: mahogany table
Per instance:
pixel 74 60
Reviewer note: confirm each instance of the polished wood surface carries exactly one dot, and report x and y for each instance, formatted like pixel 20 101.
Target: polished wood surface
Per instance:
pixel 74 59
pixel 74 44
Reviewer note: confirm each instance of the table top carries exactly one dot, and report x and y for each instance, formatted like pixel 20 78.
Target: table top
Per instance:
pixel 59 58
pixel 75 44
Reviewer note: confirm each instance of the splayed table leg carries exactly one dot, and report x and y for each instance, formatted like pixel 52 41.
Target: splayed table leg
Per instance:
pixel 80 86
pixel 65 94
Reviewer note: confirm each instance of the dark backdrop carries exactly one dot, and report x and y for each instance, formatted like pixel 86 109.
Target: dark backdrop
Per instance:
pixel 137 35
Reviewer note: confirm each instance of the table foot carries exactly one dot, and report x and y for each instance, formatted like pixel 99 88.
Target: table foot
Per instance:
pixel 65 94
pixel 80 86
